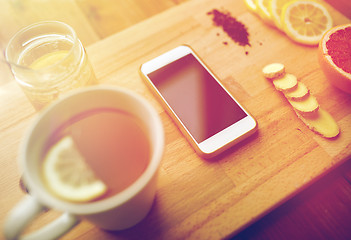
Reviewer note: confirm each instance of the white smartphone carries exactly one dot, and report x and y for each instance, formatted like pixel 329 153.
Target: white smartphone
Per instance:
pixel 208 116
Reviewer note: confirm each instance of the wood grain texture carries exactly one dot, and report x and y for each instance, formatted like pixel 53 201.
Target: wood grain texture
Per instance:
pixel 201 199
pixel 16 14
pixel 321 211
pixel 110 16
pixel 342 6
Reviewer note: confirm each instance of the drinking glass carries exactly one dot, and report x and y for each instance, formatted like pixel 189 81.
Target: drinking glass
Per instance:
pixel 47 60
pixel 120 211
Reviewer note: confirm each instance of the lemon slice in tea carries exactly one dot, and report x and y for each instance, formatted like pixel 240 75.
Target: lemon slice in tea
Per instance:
pixel 68 176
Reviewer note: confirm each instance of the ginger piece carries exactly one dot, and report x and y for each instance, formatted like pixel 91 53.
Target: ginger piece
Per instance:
pixel 297 93
pixel 321 122
pixel 305 105
pixel 286 82
pixel 273 70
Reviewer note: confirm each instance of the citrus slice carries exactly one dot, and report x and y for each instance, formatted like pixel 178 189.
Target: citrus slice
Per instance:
pixel 305 21
pixel 48 59
pixel 251 5
pixel 275 9
pixel 263 11
pixel 334 54
pixel 68 176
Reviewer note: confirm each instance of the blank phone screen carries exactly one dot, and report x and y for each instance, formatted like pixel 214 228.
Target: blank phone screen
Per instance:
pixel 203 106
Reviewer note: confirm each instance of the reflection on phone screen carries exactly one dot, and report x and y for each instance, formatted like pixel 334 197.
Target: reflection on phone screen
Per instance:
pixel 203 106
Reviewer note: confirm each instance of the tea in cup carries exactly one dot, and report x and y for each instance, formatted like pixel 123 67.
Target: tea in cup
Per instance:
pixel 93 155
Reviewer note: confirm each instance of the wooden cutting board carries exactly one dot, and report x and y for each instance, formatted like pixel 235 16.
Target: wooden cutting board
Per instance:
pixel 212 199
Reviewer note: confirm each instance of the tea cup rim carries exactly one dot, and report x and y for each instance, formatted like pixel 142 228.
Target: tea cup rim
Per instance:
pixel 102 205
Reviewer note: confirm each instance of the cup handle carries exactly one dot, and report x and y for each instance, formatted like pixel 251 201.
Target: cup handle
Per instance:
pixel 26 211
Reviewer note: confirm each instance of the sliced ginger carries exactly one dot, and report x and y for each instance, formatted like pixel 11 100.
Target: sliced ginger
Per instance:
pixel 286 82
pixel 273 70
pixel 321 122
pixel 305 105
pixel 297 93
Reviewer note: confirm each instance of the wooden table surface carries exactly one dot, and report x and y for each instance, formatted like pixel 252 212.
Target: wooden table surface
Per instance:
pixel 196 198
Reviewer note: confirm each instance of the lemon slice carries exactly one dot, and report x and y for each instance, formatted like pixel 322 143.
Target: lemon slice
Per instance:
pixel 68 176
pixel 275 9
pixel 48 59
pixel 263 11
pixel 305 21
pixel 251 5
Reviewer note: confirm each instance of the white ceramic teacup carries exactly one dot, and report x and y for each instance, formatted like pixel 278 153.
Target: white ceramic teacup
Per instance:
pixel 121 211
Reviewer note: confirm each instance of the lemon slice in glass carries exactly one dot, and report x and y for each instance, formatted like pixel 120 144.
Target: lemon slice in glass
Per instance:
pixel 305 21
pixel 68 176
pixel 48 59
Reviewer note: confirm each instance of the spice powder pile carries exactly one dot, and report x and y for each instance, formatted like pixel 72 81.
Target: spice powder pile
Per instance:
pixel 235 29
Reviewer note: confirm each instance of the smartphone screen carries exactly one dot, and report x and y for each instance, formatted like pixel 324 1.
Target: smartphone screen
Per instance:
pixel 210 118
pixel 196 97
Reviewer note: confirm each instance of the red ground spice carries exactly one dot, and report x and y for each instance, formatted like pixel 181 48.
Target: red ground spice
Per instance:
pixel 235 29
pixel 339 48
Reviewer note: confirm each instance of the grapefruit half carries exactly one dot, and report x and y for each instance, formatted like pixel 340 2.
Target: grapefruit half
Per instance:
pixel 334 55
